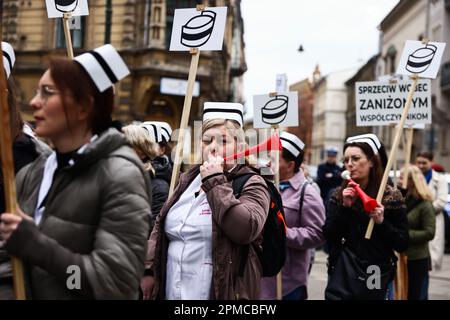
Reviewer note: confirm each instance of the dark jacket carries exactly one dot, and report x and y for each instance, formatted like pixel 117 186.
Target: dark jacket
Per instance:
pixel 422 225
pixel 328 178
pixel 236 223
pixel 96 218
pixel 25 151
pixel 351 224
pixel 160 183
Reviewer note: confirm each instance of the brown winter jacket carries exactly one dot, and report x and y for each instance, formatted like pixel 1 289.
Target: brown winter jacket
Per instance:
pixel 236 223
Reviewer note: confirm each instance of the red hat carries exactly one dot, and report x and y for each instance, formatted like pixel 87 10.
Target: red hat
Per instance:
pixel 437 167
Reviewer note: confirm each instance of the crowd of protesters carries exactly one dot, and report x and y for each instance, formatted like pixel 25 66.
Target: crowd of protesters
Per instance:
pixel 98 199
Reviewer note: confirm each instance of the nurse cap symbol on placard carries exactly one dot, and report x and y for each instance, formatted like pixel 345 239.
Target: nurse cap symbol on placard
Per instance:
pixel 421 59
pixel 275 110
pixel 66 5
pixel 197 31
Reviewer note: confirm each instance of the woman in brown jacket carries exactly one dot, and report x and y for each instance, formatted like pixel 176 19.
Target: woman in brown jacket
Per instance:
pixel 196 247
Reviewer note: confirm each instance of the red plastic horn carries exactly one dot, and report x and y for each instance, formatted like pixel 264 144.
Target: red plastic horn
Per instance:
pixel 273 143
pixel 369 203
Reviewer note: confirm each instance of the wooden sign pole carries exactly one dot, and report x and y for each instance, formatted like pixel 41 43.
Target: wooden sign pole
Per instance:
pixel 409 141
pixel 9 179
pixel 394 167
pixel 66 17
pixel 184 118
pixel 392 154
pixel 276 165
pixel 401 279
pixel 277 184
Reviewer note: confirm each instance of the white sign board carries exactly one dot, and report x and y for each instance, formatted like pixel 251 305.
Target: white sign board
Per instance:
pixel 56 8
pixel 198 29
pixel 281 83
pixel 177 87
pixel 281 110
pixel 421 59
pixel 382 103
pixel 395 77
pixel 75 23
pixel 418 126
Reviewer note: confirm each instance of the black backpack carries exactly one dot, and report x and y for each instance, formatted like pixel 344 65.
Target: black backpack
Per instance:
pixel 273 253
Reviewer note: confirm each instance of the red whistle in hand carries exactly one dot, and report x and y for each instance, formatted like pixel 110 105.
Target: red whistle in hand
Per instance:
pixel 369 203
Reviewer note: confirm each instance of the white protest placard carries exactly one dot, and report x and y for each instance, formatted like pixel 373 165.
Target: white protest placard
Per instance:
pixel 422 59
pixel 178 87
pixel 281 83
pixel 198 29
pixel 57 8
pixel 418 126
pixel 75 23
pixel 280 110
pixel 382 103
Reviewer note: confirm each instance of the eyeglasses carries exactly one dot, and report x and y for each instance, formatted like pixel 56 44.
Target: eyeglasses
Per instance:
pixel 352 158
pixel 46 92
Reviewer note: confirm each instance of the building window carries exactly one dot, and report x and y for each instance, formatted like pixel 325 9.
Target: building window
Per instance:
pixel 171 5
pixel 444 132
pixel 157 14
pixel 391 55
pixel 77 35
pixel 155 33
pixel 436 36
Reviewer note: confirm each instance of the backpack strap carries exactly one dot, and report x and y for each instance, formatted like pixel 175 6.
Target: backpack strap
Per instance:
pixel 238 184
pixel 302 195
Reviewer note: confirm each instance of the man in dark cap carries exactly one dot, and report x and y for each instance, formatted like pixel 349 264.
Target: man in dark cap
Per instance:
pixel 329 174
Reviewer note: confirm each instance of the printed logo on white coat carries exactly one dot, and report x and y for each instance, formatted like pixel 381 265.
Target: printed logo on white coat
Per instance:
pixel 206 210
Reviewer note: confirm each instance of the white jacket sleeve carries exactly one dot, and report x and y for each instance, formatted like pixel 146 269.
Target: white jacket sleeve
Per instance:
pixel 441 193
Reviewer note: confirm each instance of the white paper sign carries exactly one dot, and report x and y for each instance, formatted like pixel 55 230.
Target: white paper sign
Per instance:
pixel 56 8
pixel 421 59
pixel 281 83
pixel 75 23
pixel 418 126
pixel 281 110
pixel 198 29
pixel 178 87
pixel 382 103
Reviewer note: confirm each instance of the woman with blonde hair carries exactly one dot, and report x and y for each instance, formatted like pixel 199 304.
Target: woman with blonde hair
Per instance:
pixel 421 223
pixel 196 247
pixel 143 142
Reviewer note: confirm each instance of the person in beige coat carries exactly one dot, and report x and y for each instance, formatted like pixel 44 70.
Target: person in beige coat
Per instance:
pixel 438 188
